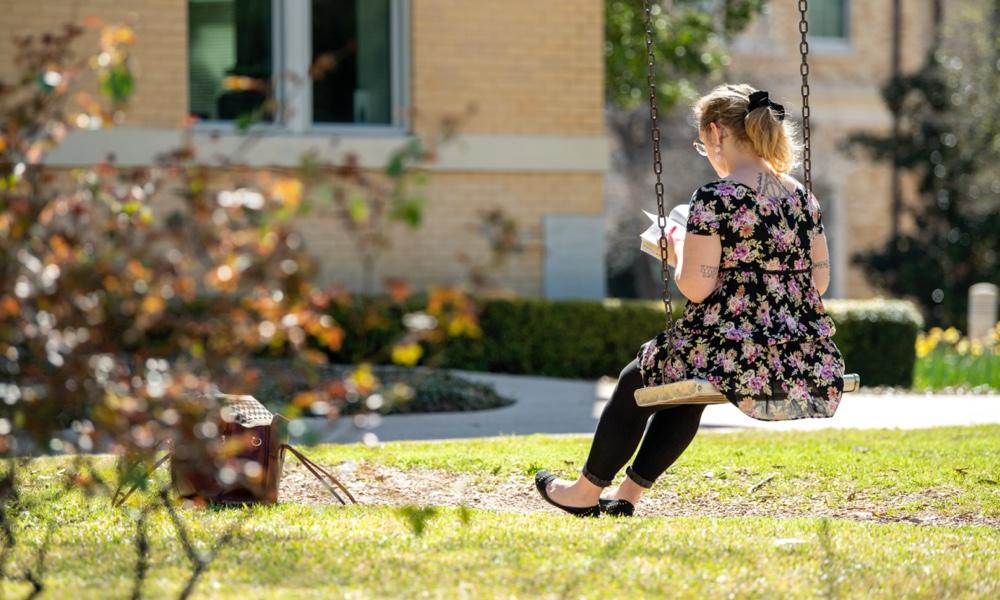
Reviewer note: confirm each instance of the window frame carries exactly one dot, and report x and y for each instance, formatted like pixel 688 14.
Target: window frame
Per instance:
pixel 291 30
pixel 833 43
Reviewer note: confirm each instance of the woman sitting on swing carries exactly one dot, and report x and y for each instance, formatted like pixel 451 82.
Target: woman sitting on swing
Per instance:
pixel 753 265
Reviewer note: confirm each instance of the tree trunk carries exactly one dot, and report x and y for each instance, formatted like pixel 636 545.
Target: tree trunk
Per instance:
pixel 634 149
pixel 897 42
pixel 938 17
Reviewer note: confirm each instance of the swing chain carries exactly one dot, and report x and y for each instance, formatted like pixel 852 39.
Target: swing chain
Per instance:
pixel 658 164
pixel 804 71
pixel 657 158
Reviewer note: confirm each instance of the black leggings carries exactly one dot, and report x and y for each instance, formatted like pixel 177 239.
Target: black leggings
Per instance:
pixel 620 429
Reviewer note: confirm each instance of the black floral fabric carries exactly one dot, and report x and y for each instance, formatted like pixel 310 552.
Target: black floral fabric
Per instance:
pixel 762 337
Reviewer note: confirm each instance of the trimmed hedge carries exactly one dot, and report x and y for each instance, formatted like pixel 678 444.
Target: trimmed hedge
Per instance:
pixel 878 338
pixel 568 338
pixel 588 339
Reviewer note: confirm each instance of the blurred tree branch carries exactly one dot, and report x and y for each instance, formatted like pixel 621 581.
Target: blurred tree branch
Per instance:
pixel 948 143
pixel 127 294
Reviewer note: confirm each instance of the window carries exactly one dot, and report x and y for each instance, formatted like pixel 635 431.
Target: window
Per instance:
pixel 828 19
pixel 335 62
pixel 230 52
pixel 352 37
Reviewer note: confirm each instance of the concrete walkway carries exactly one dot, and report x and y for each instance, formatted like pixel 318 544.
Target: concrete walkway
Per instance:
pixel 561 406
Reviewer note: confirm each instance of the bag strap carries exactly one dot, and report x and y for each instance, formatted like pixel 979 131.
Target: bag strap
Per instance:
pixel 319 473
pixel 119 498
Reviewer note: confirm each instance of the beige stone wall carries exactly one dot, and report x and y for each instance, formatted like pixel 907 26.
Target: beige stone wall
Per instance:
pixel 429 255
pixel 529 67
pixel 159 57
pixel 845 98
pixel 532 68
pixel 775 38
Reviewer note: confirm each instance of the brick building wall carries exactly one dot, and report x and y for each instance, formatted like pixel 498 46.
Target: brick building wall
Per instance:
pixel 530 67
pixel 534 72
pixel 160 98
pixel 429 255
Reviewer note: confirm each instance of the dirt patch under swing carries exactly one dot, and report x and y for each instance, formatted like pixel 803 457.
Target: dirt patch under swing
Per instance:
pixel 375 484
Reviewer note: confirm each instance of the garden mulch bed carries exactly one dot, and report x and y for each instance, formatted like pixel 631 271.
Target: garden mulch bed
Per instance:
pixel 374 484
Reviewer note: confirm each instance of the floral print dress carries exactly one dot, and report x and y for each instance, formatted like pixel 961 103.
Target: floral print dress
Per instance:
pixel 762 337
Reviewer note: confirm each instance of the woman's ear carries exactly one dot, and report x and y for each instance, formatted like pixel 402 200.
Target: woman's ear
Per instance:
pixel 717 133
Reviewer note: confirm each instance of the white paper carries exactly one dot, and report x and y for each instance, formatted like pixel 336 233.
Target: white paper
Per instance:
pixel 676 228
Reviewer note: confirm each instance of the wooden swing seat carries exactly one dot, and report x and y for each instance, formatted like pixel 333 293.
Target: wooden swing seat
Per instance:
pixel 699 391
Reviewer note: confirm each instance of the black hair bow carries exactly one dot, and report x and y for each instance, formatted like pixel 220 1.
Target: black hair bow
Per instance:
pixel 761 100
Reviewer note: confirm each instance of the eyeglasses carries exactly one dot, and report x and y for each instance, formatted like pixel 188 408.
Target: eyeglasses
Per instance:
pixel 699 147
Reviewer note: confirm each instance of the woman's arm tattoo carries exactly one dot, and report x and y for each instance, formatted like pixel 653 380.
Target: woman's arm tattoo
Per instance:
pixel 823 264
pixel 710 272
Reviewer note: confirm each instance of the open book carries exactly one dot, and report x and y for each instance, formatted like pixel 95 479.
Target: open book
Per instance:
pixel 675 229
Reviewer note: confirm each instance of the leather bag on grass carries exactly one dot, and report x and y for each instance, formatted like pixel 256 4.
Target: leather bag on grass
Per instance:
pixel 235 458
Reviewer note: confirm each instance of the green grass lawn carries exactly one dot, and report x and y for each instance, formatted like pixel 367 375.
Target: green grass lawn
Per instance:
pixel 296 550
pixel 953 471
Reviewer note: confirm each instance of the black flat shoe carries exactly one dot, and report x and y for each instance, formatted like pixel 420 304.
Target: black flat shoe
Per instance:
pixel 542 479
pixel 617 507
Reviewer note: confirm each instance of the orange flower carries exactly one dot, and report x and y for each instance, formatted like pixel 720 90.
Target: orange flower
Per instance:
pixel 305 399
pixel 398 289
pixel 116 35
pixel 9 307
pixel 332 338
pixel 138 271
pixel 152 305
pixel 92 21
pixel 288 191
pixel 60 249
pixel 242 83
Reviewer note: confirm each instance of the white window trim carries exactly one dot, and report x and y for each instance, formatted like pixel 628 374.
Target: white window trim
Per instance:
pixel 477 153
pixel 291 29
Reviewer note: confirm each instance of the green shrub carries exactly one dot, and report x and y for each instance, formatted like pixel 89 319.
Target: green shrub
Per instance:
pixel 877 338
pixel 588 339
pixel 371 325
pixel 569 338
